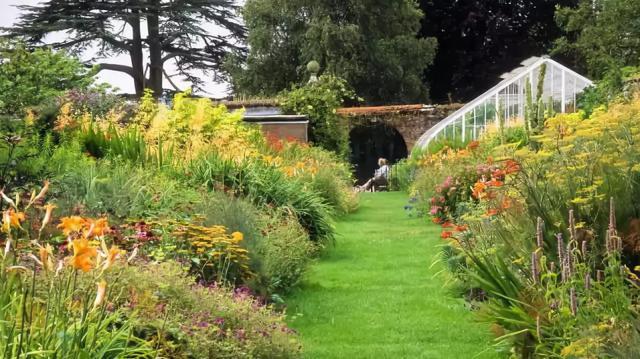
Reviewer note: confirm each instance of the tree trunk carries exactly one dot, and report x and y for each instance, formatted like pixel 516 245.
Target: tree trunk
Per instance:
pixel 136 54
pixel 155 48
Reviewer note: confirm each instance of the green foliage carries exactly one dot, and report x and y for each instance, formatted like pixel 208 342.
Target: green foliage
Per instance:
pixel 367 43
pixel 29 78
pixel 602 33
pixel 319 102
pixel 266 186
pixel 190 321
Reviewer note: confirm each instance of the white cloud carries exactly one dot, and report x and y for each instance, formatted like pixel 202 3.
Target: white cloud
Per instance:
pixel 9 15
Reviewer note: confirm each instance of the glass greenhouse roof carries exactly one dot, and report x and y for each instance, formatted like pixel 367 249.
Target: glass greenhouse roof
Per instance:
pixel 561 86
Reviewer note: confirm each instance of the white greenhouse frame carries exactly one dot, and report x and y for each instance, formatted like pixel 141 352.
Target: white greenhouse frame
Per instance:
pixel 561 87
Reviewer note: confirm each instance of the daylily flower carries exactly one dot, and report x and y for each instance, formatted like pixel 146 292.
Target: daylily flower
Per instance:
pixel 97 228
pixel 43 191
pixel 71 224
pixel 83 255
pixel 45 257
pixel 47 215
pixel 102 290
pixel 446 234
pixel 11 219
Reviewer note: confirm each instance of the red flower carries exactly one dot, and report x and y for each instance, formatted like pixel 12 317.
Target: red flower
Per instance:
pixel 461 228
pixel 491 212
pixel 511 166
pixel 446 234
pixel 436 220
pixel 448 225
pixel 473 145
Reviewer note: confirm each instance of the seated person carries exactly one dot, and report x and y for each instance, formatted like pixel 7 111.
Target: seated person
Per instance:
pixel 380 176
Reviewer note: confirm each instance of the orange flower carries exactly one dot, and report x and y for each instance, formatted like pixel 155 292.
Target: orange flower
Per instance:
pixel 448 225
pixel 97 228
pixel 491 212
pixel 461 228
pixel 112 255
pixel 45 257
pixel 446 234
pixel 511 166
pixel 47 215
pixel 436 220
pixel 495 183
pixel 478 190
pixel 473 145
pixel 12 219
pixel 71 224
pixel 83 255
pixel 506 203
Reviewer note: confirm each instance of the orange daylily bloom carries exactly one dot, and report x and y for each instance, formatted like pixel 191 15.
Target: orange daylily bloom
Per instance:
pixel 83 255
pixel 446 234
pixel 45 254
pixel 495 183
pixel 11 219
pixel 461 228
pixel 448 225
pixel 491 212
pixel 511 166
pixel 436 220
pixel 71 224
pixel 97 228
pixel 47 215
pixel 100 293
pixel 478 190
pixel 112 255
pixel 473 145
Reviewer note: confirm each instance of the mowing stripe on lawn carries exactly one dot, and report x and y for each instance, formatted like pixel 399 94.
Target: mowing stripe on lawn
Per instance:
pixel 374 296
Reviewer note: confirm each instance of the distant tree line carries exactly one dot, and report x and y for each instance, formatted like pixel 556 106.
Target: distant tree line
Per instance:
pixel 389 51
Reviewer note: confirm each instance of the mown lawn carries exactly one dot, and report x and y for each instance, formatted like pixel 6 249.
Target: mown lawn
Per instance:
pixel 374 295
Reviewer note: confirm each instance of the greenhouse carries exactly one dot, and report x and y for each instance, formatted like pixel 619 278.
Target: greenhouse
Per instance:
pixel 512 99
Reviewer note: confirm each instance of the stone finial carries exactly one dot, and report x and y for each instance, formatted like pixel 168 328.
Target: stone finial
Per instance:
pixel 313 67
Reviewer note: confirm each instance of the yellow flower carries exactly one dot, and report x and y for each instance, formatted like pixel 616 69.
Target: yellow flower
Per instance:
pixel 71 224
pixel 237 236
pixel 83 255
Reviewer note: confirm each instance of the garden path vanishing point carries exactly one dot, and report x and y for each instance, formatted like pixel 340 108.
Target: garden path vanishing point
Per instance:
pixel 374 294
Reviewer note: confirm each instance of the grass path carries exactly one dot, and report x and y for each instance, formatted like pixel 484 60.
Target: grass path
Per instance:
pixel 374 295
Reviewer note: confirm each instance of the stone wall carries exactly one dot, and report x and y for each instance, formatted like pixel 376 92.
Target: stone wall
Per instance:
pixel 410 120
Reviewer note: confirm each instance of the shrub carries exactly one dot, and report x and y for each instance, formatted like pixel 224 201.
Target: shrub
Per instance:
pixel 192 321
pixel 319 102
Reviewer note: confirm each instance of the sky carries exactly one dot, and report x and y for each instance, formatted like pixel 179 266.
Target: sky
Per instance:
pixel 9 15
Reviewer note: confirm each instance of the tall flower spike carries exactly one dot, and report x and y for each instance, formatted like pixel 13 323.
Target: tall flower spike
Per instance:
pixel 539 235
pixel 572 226
pixel 583 250
pixel 569 258
pixel 587 281
pixel 600 275
pixel 560 248
pixel 535 271
pixel 573 301
pixel 552 267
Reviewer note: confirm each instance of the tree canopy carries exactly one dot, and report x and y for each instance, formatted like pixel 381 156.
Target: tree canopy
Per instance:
pixel 176 31
pixel 480 40
pixel 29 78
pixel 372 44
pixel 604 35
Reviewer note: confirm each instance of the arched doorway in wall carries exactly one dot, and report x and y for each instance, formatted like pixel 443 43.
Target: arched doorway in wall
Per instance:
pixel 370 142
